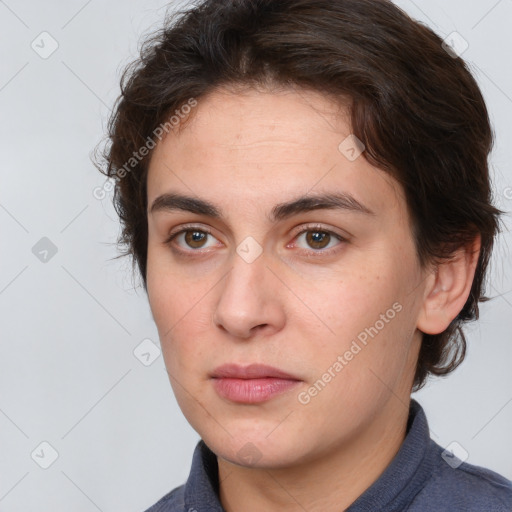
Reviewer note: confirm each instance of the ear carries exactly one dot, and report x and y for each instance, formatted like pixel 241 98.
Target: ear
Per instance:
pixel 448 288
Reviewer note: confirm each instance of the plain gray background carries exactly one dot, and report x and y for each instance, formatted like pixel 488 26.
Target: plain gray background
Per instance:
pixel 71 321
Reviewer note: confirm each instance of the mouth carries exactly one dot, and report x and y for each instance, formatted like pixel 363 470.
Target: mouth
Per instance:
pixel 251 384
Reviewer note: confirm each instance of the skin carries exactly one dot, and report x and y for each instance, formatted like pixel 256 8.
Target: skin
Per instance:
pixel 246 151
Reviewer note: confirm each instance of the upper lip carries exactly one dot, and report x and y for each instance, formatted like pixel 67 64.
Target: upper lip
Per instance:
pixel 252 371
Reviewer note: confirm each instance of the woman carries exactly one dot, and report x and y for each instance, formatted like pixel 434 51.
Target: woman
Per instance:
pixel 304 187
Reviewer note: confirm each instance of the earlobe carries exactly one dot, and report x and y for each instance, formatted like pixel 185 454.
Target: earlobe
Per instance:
pixel 448 288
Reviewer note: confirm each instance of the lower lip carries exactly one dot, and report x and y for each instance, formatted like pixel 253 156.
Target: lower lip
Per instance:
pixel 252 391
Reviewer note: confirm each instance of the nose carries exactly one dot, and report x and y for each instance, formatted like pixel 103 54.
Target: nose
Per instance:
pixel 250 300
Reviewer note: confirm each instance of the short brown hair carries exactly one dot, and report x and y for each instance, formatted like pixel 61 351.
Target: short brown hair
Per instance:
pixel 416 108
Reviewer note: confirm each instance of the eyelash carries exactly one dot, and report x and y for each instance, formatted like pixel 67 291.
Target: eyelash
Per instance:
pixel 306 229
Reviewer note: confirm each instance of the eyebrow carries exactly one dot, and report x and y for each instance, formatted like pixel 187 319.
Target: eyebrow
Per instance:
pixel 336 201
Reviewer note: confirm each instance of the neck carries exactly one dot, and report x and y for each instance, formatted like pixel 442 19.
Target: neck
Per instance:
pixel 330 482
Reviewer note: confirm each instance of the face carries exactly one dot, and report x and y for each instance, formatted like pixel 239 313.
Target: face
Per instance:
pixel 256 271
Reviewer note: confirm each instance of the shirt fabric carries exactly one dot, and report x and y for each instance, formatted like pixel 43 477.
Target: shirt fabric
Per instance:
pixel 421 477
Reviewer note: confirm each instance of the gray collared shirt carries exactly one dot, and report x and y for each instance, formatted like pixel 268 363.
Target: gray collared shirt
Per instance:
pixel 422 477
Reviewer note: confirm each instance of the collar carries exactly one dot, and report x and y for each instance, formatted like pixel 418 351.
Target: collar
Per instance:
pixel 393 490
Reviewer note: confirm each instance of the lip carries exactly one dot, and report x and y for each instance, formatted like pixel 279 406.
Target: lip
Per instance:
pixel 251 384
pixel 253 371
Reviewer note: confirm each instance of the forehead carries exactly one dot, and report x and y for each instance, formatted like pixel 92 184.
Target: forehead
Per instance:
pixel 260 147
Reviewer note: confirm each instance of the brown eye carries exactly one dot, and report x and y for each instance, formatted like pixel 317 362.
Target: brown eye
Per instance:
pixel 191 239
pixel 315 241
pixel 195 239
pixel 318 239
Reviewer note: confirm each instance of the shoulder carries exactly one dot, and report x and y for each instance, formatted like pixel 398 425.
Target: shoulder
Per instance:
pixel 456 485
pixel 171 502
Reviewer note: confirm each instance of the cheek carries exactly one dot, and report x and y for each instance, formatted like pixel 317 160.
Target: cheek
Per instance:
pixel 354 301
pixel 181 319
pixel 180 308
pixel 370 317
pixel 171 294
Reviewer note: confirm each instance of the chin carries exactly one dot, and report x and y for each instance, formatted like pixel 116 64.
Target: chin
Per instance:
pixel 255 448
